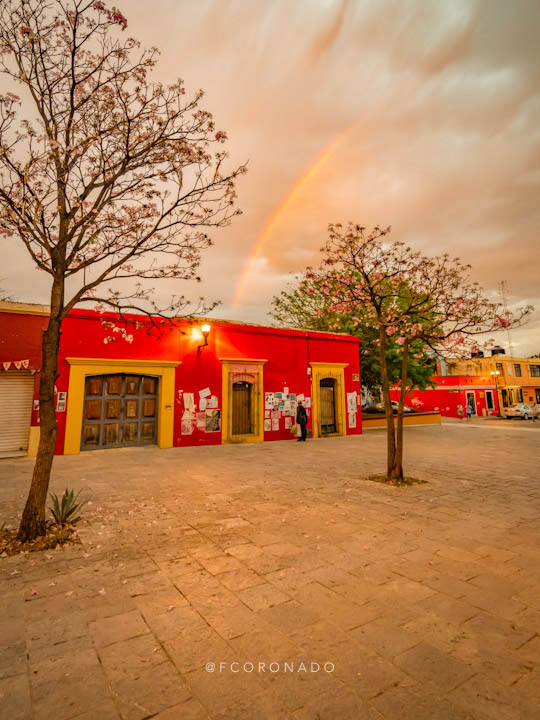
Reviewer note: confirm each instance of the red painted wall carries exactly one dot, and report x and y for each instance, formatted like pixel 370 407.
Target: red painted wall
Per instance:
pixel 450 392
pixel 287 352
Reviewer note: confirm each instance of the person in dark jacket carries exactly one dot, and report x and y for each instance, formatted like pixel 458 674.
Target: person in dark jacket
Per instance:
pixel 301 419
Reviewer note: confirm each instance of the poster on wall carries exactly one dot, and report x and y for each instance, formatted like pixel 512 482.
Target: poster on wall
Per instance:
pixel 351 402
pixel 201 420
pixel 188 422
pixel 307 402
pixel 213 420
pixel 275 424
pixel 352 420
pixel 212 402
pixel 205 393
pixel 267 425
pixel 276 414
pixel 288 423
pixel 203 402
pixel 189 402
pixel 268 401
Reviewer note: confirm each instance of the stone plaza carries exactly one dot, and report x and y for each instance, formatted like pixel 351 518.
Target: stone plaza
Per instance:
pixel 275 581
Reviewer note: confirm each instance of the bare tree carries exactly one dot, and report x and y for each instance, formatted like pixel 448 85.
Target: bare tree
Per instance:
pixel 114 179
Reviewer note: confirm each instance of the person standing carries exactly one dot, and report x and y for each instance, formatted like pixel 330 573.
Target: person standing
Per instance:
pixel 469 411
pixel 460 411
pixel 301 419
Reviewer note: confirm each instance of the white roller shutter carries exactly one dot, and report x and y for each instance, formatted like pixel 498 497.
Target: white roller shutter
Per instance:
pixel 16 395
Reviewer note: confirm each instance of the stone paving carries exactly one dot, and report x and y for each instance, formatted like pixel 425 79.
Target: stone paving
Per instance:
pixel 425 599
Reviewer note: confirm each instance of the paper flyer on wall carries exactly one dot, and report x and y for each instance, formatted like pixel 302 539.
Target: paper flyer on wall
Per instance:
pixel 352 420
pixel 275 424
pixel 267 425
pixel 189 402
pixel 212 402
pixel 351 402
pixel 288 423
pixel 202 404
pixel 307 402
pixel 268 400
pixel 205 393
pixel 201 420
pixel 213 420
pixel 300 397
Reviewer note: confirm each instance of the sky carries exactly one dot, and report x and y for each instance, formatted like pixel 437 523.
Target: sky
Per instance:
pixel 419 114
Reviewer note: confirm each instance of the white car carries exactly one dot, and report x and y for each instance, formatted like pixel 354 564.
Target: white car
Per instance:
pixel 521 410
pixel 395 406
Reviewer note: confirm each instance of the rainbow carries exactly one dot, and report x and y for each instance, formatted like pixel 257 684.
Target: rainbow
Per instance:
pixel 282 208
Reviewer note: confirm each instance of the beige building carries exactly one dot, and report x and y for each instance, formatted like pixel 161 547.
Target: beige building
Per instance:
pixel 517 379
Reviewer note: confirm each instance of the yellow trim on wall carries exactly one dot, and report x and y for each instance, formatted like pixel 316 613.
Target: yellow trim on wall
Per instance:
pixel 335 371
pixel 23 308
pixel 81 367
pixel 226 403
pixel 33 440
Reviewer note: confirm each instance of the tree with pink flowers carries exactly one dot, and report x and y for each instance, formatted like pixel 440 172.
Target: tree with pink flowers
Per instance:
pixel 427 305
pixel 108 177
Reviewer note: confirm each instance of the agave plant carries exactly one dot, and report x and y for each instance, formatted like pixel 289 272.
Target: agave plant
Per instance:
pixel 64 510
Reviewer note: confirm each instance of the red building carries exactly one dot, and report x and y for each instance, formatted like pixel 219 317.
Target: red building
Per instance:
pixel 451 391
pixel 239 383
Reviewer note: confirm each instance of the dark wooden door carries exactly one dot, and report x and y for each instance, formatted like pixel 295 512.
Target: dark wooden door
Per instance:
pixel 328 406
pixel 242 419
pixel 119 410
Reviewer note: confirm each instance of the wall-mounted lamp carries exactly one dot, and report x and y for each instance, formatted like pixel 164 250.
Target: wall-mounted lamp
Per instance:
pixel 205 329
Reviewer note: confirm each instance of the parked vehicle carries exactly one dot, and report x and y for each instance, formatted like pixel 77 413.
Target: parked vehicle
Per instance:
pixel 521 410
pixel 395 406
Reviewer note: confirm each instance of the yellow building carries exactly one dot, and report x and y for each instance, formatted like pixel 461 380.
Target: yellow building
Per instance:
pixel 517 379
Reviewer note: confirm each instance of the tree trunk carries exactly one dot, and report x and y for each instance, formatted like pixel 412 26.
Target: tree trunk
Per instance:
pixel 390 433
pixel 396 474
pixel 33 518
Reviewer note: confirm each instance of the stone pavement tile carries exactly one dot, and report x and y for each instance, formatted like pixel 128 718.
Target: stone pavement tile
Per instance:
pixel 459 554
pixel 12 659
pixel 221 564
pixel 450 609
pixel 531 650
pixel 56 628
pixel 321 640
pixel 194 649
pixel 290 616
pixel 102 708
pixel 492 631
pixel 154 690
pixel 261 597
pixel 267 645
pixel 65 687
pixel 155 603
pixel 261 560
pixel 412 704
pixel 231 622
pixel 288 579
pixel 111 603
pixel 296 688
pixel 496 553
pixel 447 584
pixel 488 700
pixel 367 673
pixel 495 584
pixel 529 685
pixel 119 627
pixel 436 631
pixel 408 591
pixel 50 585
pixel 147 583
pixel 384 637
pixel 529 596
pixel 330 576
pixel 131 658
pixel 15 703
pixel 264 706
pixel 172 621
pixel 496 604
pixel 177 567
pixel 330 605
pixel 427 664
pixel 189 710
pixel 505 666
pixel 241 579
pixel 53 653
pixel 221 689
pixel 529 619
pixel 205 550
pixel 341 705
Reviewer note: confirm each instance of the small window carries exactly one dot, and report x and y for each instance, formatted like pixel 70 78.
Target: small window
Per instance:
pixel 517 369
pixel 534 370
pixel 519 395
pixel 499 367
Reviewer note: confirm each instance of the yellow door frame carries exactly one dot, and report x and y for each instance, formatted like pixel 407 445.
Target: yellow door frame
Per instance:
pixel 319 371
pixel 81 367
pixel 226 402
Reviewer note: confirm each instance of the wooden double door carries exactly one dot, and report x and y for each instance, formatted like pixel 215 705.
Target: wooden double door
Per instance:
pixel 119 410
